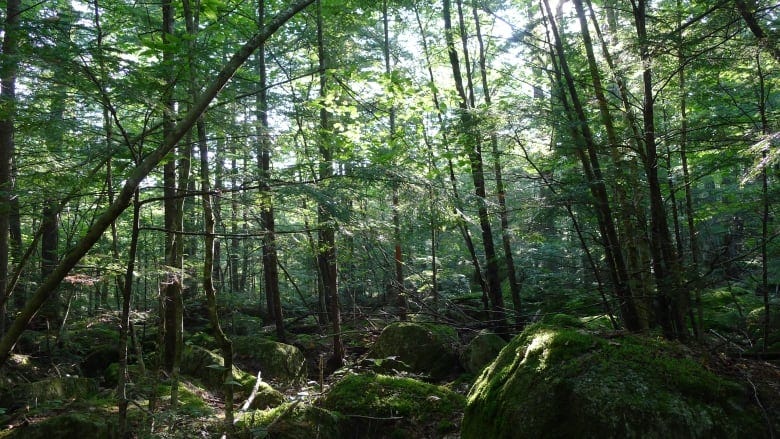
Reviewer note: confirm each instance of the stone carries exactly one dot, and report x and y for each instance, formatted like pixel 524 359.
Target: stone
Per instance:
pixel 427 349
pixel 560 382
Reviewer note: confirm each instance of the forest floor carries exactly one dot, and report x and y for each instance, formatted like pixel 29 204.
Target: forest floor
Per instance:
pixel 201 411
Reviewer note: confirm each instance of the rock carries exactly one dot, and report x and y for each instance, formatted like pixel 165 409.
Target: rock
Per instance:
pixel 755 323
pixel 481 351
pixel 207 366
pixel 381 406
pixel 61 389
pixel 289 421
pixel 276 361
pixel 98 360
pixel 566 382
pixel 82 425
pixel 427 349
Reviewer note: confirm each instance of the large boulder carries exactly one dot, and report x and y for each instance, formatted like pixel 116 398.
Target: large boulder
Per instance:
pixel 481 351
pixel 51 389
pixel 208 367
pixel 276 361
pixel 380 406
pixel 566 382
pixel 421 348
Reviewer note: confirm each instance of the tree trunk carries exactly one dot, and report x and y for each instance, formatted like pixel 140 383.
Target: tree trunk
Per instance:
pixel 172 302
pixel 588 155
pixel 8 68
pixel 472 144
pixel 326 257
pixel 399 292
pixel 270 258
pixel 672 300
pixel 514 285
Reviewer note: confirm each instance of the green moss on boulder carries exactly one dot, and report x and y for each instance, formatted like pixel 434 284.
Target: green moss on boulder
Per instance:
pixel 381 406
pixel 566 382
pixel 82 425
pixel 481 351
pixel 207 366
pixel 276 361
pixel 427 349
pixel 289 421
pixel 53 389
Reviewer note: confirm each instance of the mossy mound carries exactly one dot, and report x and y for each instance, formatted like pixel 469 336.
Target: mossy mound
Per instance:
pixel 208 367
pixel 82 425
pixel 50 389
pixel 289 421
pixel 381 406
pixel 567 382
pixel 481 351
pixel 427 349
pixel 276 361
pixel 756 322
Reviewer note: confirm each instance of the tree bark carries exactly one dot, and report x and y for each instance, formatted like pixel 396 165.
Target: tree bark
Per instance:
pixel 587 152
pixel 672 300
pixel 270 257
pixel 137 174
pixel 9 66
pixel 471 142
pixel 326 257
pixel 506 240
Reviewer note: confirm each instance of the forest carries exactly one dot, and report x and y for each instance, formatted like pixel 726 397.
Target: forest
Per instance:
pixel 390 218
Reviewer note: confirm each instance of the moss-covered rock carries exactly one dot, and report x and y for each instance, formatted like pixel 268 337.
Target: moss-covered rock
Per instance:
pixel 481 351
pixel 52 389
pixel 427 349
pixel 276 361
pixel 82 425
pixel 566 382
pixel 208 367
pixel 289 421
pixel 756 322
pixel 381 406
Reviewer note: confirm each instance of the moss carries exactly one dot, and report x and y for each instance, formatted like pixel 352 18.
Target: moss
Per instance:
pixel 563 382
pixel 383 406
pixel 208 367
pixel 481 351
pixel 428 349
pixel 83 425
pixel 276 361
pixel 289 421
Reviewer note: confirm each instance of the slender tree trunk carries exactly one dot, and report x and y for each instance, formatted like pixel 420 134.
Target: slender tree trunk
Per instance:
pixel 171 302
pixel 765 202
pixel 514 285
pixel 472 144
pixel 399 292
pixel 270 258
pixel 765 40
pixel 457 208
pixel 326 257
pixel 226 346
pixel 587 152
pixel 672 300
pixel 124 324
pixel 8 67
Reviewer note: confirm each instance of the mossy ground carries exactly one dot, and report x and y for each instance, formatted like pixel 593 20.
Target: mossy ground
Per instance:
pixel 567 382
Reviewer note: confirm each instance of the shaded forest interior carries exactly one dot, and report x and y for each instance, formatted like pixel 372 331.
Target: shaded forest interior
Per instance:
pixel 325 218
